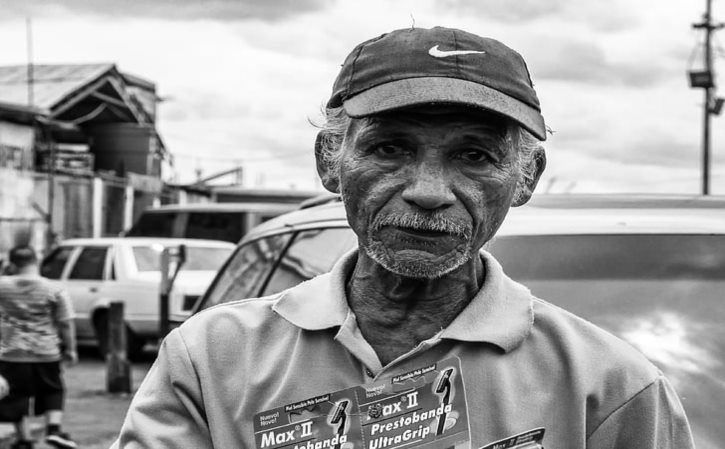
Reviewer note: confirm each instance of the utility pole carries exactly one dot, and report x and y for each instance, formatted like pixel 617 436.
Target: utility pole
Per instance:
pixel 29 41
pixel 706 80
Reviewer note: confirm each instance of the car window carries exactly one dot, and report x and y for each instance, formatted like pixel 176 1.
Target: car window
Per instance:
pixel 53 264
pixel 612 256
pixel 661 293
pixel 205 259
pixel 226 226
pixel 148 258
pixel 246 271
pixel 89 264
pixel 154 225
pixel 304 259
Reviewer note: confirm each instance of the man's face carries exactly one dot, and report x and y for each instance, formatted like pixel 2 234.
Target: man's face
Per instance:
pixel 425 188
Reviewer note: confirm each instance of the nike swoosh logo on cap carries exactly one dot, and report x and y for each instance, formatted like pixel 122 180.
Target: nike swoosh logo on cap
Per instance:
pixel 436 53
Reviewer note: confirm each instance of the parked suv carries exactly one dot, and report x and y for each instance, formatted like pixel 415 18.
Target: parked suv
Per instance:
pixel 212 221
pixel 649 269
pixel 96 272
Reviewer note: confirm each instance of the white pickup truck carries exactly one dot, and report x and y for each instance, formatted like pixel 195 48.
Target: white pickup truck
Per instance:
pixel 97 271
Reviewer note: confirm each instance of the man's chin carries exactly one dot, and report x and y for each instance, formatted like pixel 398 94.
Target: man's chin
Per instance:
pixel 415 263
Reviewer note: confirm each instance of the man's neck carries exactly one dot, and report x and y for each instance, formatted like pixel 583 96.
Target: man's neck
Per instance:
pixel 396 313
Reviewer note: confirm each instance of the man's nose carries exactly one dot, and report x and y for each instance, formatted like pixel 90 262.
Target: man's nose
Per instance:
pixel 429 186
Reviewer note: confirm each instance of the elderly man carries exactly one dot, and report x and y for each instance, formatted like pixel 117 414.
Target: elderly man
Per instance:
pixel 418 339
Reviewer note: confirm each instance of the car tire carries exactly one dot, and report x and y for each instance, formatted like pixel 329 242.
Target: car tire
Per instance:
pixel 134 344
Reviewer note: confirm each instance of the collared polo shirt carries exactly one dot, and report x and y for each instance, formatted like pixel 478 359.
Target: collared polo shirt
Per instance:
pixel 525 364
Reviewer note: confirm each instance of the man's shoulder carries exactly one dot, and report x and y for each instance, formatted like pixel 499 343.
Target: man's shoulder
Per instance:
pixel 243 316
pixel 220 331
pixel 254 312
pixel 588 345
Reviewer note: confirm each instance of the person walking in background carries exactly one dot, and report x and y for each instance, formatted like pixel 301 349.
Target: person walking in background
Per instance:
pixel 36 334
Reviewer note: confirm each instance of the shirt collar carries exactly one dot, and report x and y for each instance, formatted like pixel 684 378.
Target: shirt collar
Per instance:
pixel 321 302
pixel 501 313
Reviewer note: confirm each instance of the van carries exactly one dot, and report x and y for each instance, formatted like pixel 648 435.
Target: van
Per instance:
pixel 228 222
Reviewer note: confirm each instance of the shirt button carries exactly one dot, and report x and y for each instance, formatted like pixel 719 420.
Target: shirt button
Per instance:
pixel 369 373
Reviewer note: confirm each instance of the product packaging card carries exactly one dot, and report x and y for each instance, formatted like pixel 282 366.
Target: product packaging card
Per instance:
pixel 422 408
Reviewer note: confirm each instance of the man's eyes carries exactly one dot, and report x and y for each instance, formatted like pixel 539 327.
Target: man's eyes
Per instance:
pixel 474 156
pixel 467 156
pixel 388 150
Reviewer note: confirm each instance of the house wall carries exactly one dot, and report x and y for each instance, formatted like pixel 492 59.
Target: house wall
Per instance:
pixel 72 213
pixel 81 207
pixel 20 222
pixel 16 146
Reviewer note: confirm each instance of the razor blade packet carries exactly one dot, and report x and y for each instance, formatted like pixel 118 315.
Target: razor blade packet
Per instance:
pixel 422 408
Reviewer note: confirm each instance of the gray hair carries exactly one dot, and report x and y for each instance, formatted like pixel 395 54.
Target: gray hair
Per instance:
pixel 336 122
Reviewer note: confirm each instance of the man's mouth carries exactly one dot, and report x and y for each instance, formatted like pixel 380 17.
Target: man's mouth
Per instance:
pixel 425 229
pixel 417 232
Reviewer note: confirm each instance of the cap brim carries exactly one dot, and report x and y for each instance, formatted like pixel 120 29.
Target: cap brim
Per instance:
pixel 425 90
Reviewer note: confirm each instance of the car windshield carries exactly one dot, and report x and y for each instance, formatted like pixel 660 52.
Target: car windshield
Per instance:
pixel 148 258
pixel 154 225
pixel 663 293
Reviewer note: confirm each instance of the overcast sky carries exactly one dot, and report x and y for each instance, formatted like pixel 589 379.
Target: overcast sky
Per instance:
pixel 242 79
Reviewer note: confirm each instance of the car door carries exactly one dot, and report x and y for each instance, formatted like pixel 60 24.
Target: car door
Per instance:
pixel 84 283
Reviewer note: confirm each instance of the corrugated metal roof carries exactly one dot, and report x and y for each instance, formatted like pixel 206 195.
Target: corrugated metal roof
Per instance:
pixel 51 83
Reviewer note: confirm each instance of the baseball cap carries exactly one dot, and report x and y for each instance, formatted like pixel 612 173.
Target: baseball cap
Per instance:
pixel 417 66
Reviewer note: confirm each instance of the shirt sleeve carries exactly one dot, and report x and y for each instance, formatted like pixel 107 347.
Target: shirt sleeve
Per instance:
pixel 64 306
pixel 167 409
pixel 652 419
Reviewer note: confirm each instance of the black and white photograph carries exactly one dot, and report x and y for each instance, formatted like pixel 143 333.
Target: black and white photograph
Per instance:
pixel 381 224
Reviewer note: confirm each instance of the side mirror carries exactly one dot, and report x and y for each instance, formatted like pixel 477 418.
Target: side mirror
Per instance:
pixel 181 255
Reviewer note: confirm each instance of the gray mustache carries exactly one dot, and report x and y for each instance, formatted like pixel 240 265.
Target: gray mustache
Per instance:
pixel 424 222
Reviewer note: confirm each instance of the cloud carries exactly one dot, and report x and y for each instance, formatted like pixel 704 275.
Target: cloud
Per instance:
pixel 579 171
pixel 194 103
pixel 562 59
pixel 505 10
pixel 608 16
pixel 269 156
pixel 223 10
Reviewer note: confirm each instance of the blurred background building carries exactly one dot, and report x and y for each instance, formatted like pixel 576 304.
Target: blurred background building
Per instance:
pixel 80 154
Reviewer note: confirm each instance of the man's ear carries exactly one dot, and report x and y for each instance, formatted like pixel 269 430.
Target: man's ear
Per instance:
pixel 526 187
pixel 328 172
